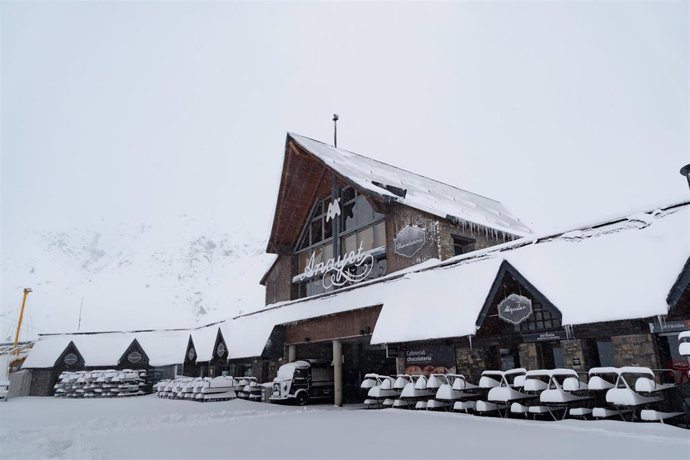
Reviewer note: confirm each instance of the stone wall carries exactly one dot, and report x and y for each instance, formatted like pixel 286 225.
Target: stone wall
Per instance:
pixel 635 350
pixel 439 232
pixel 574 352
pixel 42 381
pixel 529 356
pixel 471 362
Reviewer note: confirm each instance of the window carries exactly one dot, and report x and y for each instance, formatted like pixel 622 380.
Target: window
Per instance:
pixel 541 318
pixel 359 226
pixel 462 245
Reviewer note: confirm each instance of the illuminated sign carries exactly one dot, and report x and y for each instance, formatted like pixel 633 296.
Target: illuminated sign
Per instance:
pixel 352 267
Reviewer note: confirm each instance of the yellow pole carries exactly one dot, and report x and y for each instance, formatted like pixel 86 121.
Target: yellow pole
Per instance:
pixel 21 316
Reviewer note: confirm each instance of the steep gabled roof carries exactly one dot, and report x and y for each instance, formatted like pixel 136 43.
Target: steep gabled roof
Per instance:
pixel 308 163
pixel 681 285
pixel 413 190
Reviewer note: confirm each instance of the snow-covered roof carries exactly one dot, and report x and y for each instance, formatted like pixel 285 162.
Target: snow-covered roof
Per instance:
pixel 163 348
pixel 616 271
pixel 204 339
pixel 46 351
pixel 422 193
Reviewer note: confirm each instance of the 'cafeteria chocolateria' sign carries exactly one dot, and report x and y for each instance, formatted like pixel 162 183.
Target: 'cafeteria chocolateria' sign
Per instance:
pixel 515 308
pixel 429 360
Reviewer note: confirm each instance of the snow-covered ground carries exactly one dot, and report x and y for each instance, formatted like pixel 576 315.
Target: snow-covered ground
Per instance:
pixel 147 427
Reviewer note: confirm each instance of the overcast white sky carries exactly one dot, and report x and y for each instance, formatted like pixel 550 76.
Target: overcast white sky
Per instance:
pixel 567 112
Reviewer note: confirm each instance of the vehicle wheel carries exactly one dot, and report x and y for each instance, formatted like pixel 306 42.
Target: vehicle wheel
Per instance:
pixel 302 399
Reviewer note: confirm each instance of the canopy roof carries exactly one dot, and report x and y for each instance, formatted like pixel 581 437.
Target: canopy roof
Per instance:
pixel 618 270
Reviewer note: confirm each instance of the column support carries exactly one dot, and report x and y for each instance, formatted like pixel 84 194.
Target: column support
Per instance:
pixel 292 353
pixel 338 372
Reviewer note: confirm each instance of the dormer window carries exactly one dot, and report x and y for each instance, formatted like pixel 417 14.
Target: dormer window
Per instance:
pixel 462 245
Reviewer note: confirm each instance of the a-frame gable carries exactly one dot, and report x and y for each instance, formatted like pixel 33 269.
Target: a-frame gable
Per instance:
pixel 70 358
pixel 304 179
pixel 220 349
pixel 190 353
pixel 134 357
pixel 496 293
pixel 681 288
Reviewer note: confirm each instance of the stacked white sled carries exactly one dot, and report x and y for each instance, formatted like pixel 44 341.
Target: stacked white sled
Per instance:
pixel 101 384
pixel 198 389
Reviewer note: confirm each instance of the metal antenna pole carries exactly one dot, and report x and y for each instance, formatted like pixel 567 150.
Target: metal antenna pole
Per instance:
pixel 80 308
pixel 335 130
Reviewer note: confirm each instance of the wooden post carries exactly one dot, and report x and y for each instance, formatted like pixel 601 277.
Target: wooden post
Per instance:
pixel 292 353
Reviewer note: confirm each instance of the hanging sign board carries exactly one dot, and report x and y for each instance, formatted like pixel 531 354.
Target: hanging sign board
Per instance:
pixel 409 241
pixel 515 308
pixel 434 359
pixel 669 326
pixel 545 336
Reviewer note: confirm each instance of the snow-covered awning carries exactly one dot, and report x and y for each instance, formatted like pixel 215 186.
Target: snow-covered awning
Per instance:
pixel 620 270
pixel 421 193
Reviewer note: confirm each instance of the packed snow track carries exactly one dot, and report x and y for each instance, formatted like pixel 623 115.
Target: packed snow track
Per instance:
pixel 148 427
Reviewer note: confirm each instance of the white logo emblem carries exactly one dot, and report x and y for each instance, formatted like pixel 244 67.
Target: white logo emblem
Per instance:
pixel 333 209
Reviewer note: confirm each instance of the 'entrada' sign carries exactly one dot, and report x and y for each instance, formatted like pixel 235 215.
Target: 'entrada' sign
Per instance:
pixel 515 309
pixel 409 240
pixel 353 267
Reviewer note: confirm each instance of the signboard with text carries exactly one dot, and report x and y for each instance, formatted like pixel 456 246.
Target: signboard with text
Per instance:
pixel 515 308
pixel 545 336
pixel 670 326
pixel 434 359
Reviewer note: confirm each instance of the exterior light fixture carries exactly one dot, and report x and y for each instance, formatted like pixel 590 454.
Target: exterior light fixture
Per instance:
pixel 685 171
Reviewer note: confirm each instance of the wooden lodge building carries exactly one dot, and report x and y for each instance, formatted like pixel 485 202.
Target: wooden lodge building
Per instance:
pixel 378 269
pixel 382 270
